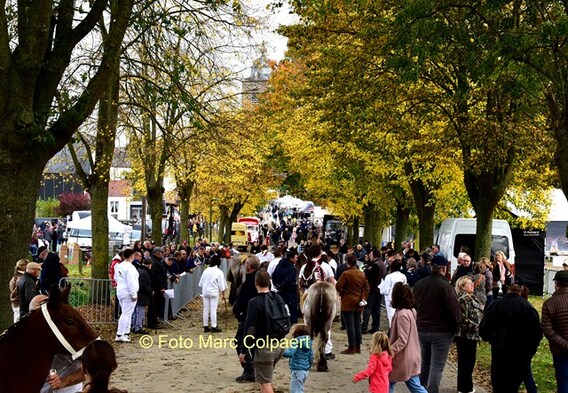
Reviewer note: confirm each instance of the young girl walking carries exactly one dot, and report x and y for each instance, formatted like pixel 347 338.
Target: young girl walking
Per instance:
pixel 380 364
pixel 301 357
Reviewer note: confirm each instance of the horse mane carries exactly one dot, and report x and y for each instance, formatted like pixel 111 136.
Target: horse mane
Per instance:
pixel 10 330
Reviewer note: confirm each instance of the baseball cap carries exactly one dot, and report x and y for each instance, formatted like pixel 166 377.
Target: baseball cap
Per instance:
pixel 439 260
pixel 561 276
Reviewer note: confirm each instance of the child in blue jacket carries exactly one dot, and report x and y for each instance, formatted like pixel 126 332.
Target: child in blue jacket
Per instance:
pixel 301 357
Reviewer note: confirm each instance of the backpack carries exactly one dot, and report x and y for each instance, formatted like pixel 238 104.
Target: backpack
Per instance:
pixel 277 315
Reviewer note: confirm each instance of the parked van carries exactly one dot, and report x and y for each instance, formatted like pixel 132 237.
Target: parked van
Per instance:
pixel 457 232
pixel 239 236
pixel 253 228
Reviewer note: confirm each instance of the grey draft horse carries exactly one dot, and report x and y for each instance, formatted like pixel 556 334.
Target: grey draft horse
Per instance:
pixel 236 276
pixel 320 307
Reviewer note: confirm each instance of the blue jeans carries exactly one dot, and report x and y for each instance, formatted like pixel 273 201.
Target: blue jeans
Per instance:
pixel 434 348
pixel 561 368
pixel 413 385
pixel 298 378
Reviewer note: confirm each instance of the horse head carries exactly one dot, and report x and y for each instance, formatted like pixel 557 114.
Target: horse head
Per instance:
pixel 27 347
pixel 68 321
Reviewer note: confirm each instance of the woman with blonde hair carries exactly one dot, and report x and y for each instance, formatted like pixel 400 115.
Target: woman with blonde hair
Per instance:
pixel 19 271
pixel 502 274
pixel 467 335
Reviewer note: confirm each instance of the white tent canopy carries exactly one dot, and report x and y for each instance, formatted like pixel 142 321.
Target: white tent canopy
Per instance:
pixel 113 225
pixel 559 206
pixel 291 202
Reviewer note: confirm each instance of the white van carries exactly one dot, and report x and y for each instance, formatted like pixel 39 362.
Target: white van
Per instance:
pixel 457 232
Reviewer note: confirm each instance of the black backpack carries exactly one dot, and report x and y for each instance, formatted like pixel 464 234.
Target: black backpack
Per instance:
pixel 277 315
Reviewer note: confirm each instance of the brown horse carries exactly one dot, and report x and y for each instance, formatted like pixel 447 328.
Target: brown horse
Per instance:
pixel 319 310
pixel 28 346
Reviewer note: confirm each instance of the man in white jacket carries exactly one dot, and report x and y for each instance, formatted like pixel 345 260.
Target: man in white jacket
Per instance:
pixel 212 282
pixel 126 277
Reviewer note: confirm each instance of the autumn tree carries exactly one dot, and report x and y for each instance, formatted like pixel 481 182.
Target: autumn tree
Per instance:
pixel 39 43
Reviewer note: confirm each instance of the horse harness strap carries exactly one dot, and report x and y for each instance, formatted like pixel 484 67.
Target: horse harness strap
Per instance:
pixel 74 354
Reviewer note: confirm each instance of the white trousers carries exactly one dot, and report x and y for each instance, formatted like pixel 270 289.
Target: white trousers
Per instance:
pixel 210 304
pixel 16 311
pixel 127 306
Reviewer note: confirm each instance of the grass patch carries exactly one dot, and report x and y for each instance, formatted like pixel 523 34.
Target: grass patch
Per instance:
pixel 74 270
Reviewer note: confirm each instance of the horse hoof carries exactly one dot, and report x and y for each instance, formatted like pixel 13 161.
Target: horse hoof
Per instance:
pixel 322 368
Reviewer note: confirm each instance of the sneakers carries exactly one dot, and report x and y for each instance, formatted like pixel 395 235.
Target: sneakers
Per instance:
pixel 206 329
pixel 215 330
pixel 245 378
pixel 122 338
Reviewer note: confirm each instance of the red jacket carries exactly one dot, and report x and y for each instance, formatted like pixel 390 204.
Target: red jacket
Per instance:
pixel 377 371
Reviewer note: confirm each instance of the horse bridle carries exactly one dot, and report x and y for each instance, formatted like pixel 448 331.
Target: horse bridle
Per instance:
pixel 74 354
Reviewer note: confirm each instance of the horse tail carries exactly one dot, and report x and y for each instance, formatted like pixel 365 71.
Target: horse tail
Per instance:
pixel 319 325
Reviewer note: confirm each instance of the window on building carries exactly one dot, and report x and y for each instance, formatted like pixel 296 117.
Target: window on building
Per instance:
pixel 113 207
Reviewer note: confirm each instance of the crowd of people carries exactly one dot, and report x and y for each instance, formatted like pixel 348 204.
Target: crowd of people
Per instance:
pixel 426 307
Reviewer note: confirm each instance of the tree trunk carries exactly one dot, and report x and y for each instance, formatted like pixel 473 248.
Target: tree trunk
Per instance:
pixel 485 191
pixel 402 223
pixel 354 235
pixel 373 227
pixel 18 195
pixel 561 155
pixel 104 148
pixel 223 219
pixel 425 204
pixel 99 227
pixel 426 226
pixel 184 191
pixel 156 203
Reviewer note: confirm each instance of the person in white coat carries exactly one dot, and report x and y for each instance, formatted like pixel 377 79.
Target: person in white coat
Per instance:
pixel 212 282
pixel 126 277
pixel 386 286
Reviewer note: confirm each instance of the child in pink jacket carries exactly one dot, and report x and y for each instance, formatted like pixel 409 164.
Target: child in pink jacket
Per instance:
pixel 380 364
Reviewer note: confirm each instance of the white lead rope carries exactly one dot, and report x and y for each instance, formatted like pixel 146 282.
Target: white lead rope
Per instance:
pixel 74 354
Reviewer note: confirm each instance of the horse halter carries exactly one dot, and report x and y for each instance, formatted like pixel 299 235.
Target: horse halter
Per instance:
pixel 74 354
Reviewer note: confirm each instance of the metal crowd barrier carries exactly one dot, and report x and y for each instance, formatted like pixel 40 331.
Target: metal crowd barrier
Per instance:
pixel 188 289
pixel 93 298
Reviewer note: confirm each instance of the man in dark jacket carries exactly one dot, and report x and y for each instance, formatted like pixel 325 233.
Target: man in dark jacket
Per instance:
pixel 555 328
pixel 437 316
pixel 284 279
pixel 159 286
pixel 247 292
pixel 27 287
pixel 512 326
pixel 50 270
pixel 145 295
pixel 265 357
pixel 375 270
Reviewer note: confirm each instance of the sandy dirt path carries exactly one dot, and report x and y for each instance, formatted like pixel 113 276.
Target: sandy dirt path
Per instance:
pixel 205 368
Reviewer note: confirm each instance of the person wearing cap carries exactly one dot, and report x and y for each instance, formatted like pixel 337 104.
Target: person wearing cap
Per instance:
pixel 512 326
pixel 437 316
pixel 555 328
pixel 27 287
pixel 19 271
